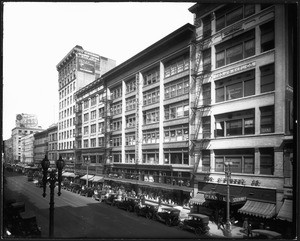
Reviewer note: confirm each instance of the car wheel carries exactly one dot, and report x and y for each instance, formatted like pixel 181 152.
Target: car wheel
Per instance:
pixel 198 231
pixel 169 222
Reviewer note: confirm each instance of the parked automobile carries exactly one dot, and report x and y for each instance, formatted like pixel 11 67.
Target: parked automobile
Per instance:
pixel 75 187
pixel 110 198
pixel 197 223
pixel 169 216
pixel 65 184
pixel 99 195
pixel 26 226
pixel 146 210
pixel 265 234
pixel 128 203
pixel 87 191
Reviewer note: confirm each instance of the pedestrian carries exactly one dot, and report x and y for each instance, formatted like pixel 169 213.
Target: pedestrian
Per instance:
pixel 245 225
pixel 220 222
pixel 249 233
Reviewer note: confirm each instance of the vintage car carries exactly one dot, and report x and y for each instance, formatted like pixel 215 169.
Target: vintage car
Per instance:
pixel 196 222
pixel 265 234
pixel 146 210
pixel 99 195
pixel 128 203
pixel 169 216
pixel 87 191
pixel 109 198
pixel 75 187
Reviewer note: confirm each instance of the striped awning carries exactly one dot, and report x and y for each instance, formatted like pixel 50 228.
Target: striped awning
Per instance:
pixel 259 209
pixel 97 179
pixel 286 211
pixel 68 174
pixel 199 199
pixel 87 177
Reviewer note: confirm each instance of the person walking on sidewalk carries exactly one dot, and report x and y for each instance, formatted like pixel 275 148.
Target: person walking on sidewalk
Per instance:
pixel 220 220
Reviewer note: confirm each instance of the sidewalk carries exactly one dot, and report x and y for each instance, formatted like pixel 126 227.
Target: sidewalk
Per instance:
pixel 221 233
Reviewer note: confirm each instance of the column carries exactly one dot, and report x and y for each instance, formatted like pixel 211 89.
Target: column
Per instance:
pixel 256 161
pixel 161 113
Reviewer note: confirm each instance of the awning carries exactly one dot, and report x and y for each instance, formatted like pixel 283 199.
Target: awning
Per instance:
pixel 97 179
pixel 286 211
pixel 87 176
pixel 68 174
pixel 198 199
pixel 260 209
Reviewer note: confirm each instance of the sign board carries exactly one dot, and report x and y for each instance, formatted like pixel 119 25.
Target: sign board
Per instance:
pixel 223 198
pixel 26 120
pixel 86 65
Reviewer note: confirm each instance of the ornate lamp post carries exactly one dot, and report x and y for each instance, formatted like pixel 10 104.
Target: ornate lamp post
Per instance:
pixel 228 176
pixel 52 179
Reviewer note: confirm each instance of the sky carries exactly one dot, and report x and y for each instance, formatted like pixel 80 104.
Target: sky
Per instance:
pixel 37 36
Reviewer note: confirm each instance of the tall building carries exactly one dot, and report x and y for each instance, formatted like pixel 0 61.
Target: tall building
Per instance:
pixel 25 124
pixel 52 144
pixel 27 146
pixel 8 151
pixel 77 69
pixel 40 148
pixel 244 72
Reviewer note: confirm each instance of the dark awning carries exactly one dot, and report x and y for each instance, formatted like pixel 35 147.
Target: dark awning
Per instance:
pixel 198 199
pixel 259 209
pixel 286 211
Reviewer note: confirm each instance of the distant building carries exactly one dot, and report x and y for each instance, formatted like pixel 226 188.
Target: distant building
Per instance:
pixel 8 151
pixel 27 143
pixel 52 144
pixel 76 70
pixel 40 148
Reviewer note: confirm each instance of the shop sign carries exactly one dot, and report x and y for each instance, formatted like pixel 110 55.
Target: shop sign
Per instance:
pixel 237 199
pixel 234 70
pixel 223 198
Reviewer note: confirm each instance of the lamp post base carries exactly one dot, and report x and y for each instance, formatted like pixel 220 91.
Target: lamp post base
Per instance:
pixel 228 230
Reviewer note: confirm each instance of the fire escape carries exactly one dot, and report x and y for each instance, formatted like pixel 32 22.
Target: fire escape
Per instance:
pixel 200 105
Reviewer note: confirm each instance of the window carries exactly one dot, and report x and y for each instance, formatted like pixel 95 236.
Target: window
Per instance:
pixel 151 116
pixel 267 119
pixel 116 157
pixel 93 100
pixel 267 78
pixel 235 49
pixel 206 127
pixel 117 108
pixel 151 136
pixel 151 157
pixel 235 123
pixel 93 128
pixel 177 66
pixel 117 140
pixel 86 104
pixel 176 133
pixel 177 110
pixel 267 36
pixel 85 143
pixel 266 161
pixel 101 127
pixel 176 156
pixel 242 160
pixel 116 93
pixel 130 121
pixel 86 130
pixel 93 142
pixel 86 117
pixel 177 88
pixel 116 124
pixel 130 103
pixel 206 161
pixel 207 59
pixel 206 26
pixel 236 86
pixel 151 96
pixel 206 94
pixel 129 157
pixel 130 86
pixel 93 115
pixel 151 77
pixel 100 141
pixel 231 14
pixel 130 139
pixel 101 112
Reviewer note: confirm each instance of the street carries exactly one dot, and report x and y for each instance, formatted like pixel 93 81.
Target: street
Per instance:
pixel 77 216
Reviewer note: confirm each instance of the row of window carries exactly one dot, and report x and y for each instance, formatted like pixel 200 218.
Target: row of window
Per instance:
pixel 67 90
pixel 66 123
pixel 66 134
pixel 66 145
pixel 66 113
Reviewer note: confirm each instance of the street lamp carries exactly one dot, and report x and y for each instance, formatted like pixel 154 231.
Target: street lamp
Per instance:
pixel 228 175
pixel 87 170
pixel 52 180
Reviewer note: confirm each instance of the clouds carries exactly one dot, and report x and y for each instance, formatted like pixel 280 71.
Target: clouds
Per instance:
pixel 38 35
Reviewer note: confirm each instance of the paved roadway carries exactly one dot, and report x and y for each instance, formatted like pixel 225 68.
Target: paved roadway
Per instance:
pixel 81 217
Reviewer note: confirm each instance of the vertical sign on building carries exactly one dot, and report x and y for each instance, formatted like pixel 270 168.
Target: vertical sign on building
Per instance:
pixel 137 81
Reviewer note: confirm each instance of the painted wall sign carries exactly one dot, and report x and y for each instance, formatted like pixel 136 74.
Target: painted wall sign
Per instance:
pixel 86 65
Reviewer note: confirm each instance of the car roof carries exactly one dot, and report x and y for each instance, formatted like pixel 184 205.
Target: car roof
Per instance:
pixel 198 215
pixel 171 209
pixel 267 233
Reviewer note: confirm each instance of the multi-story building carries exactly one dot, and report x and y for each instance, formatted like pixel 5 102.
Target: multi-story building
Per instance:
pixel 27 143
pixel 40 148
pixel 77 69
pixel 145 119
pixel 52 144
pixel 243 104
pixel 16 135
pixel 8 151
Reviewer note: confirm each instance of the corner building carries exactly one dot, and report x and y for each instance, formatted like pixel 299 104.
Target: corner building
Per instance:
pixel 244 76
pixel 77 69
